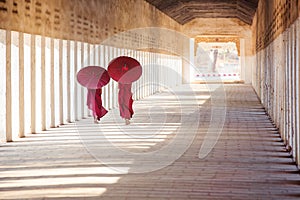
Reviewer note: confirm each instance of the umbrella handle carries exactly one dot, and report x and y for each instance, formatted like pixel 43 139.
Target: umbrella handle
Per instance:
pixel 125 68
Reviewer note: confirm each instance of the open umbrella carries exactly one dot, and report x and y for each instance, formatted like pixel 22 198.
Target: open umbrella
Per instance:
pixel 124 69
pixel 93 77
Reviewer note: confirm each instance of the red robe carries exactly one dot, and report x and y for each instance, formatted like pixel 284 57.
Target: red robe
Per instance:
pixel 94 103
pixel 125 101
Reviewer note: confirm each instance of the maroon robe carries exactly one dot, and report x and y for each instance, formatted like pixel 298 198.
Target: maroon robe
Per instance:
pixel 125 101
pixel 94 103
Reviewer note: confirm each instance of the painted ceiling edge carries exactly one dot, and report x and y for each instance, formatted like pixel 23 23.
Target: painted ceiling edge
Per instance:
pixel 183 11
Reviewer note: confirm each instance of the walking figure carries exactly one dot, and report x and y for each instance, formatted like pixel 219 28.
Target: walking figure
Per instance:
pixel 125 70
pixel 94 78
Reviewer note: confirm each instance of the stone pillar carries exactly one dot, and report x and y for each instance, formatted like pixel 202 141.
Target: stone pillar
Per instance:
pixel 145 67
pixel 159 79
pixel 298 91
pixel 188 60
pixel 293 89
pixel 158 64
pixel 179 69
pixel 43 84
pixel 139 84
pixel 52 88
pixel 114 83
pixel 287 91
pixel 81 88
pixel 97 57
pixel 153 72
pixel 3 85
pixel 47 74
pixel 68 81
pixel 144 86
pixel 105 92
pixel 246 60
pixel 76 100
pixel 87 62
pixel 38 60
pixel 14 59
pixel 33 84
pixel 8 88
pixel 91 56
pixel 242 60
pixel 110 85
pixel 61 80
pixel 102 62
pixel 27 82
pixel 21 86
pixel 73 81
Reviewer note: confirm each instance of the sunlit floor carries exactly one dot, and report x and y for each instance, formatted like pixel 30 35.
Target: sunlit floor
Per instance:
pixel 193 142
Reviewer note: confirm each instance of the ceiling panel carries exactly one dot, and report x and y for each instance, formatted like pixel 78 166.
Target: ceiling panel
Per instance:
pixel 183 11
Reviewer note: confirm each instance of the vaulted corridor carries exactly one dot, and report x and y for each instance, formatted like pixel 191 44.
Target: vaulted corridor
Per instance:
pixel 215 95
pixel 248 161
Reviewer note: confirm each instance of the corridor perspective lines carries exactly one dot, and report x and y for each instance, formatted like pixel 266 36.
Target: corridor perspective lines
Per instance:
pixel 157 155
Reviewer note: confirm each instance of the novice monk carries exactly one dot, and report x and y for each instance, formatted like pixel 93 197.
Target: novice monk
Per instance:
pixel 125 102
pixel 94 103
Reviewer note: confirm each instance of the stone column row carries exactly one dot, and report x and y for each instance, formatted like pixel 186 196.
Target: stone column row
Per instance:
pixel 38 86
pixel 277 83
pixel 38 83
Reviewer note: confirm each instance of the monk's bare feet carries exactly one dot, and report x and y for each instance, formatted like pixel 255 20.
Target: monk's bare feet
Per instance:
pixel 127 122
pixel 96 121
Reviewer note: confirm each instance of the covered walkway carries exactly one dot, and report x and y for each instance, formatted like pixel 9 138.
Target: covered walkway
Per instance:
pixel 245 160
pixel 217 107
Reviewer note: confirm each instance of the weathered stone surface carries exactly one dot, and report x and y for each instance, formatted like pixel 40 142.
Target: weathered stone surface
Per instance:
pixel 89 21
pixel 273 21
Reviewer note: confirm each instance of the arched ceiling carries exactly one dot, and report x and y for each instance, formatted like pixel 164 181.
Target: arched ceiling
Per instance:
pixel 184 11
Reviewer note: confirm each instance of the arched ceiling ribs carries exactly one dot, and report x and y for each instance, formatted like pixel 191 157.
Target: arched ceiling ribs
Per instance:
pixel 183 11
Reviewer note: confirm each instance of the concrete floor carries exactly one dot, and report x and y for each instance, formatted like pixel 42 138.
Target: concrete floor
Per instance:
pixel 194 142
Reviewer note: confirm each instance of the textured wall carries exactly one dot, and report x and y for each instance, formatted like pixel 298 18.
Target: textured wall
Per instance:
pixel 276 79
pixel 89 21
pixel 272 18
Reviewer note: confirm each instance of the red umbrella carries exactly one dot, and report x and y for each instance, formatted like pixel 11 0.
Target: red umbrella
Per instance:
pixel 124 69
pixel 93 77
